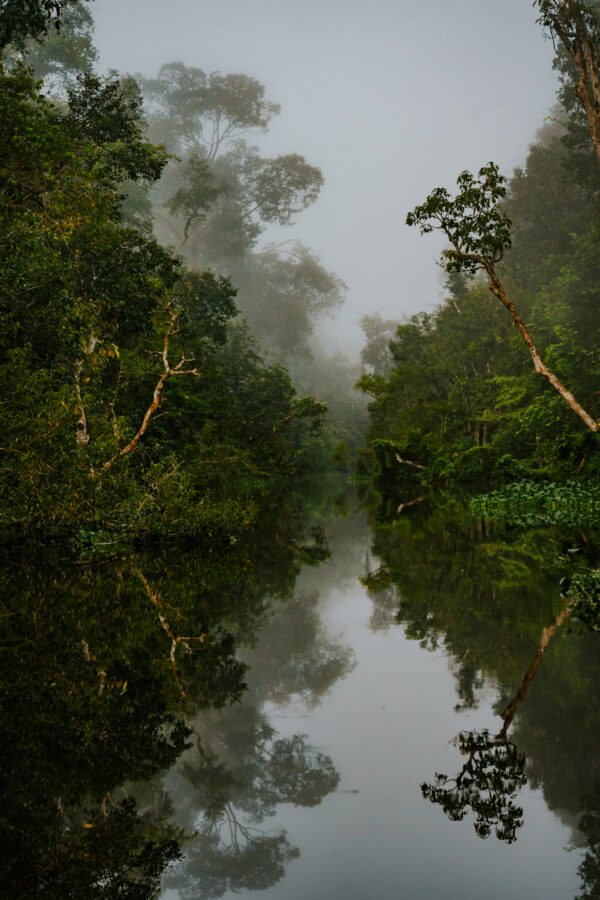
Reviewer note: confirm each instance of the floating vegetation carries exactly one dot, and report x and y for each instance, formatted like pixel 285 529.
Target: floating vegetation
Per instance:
pixel 530 503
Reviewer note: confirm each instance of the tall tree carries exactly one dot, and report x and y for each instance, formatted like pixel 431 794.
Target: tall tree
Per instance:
pixel 205 120
pixel 479 232
pixel 63 54
pixel 199 113
pixel 576 24
pixel 217 199
pixel 22 19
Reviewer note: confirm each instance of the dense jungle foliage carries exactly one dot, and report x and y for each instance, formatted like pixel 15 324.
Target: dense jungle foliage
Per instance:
pixel 135 399
pixel 455 391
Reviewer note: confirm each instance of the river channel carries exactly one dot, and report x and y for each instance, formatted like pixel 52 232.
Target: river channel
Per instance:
pixel 325 679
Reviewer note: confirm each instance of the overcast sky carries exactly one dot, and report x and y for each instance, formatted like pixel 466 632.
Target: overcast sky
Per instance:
pixel 389 97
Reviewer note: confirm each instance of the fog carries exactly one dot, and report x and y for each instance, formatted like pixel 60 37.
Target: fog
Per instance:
pixel 389 98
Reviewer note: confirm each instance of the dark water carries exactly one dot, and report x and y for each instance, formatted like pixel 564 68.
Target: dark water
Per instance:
pixel 273 708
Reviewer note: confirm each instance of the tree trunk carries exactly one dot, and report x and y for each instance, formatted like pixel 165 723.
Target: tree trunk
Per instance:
pixel 568 24
pixel 132 445
pixel 82 432
pixel 157 395
pixel 408 462
pixel 547 634
pixel 539 365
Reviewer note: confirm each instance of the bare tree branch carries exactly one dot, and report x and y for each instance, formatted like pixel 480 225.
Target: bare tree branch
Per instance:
pixel 158 391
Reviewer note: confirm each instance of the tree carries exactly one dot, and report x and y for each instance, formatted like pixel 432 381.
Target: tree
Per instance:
pixel 214 202
pixel 63 54
pixel 197 113
pixel 100 328
pixel 479 232
pixel 22 19
pixel 204 119
pixel 376 352
pixel 576 23
pixel 104 117
pixel 273 189
pixel 198 192
pixel 282 290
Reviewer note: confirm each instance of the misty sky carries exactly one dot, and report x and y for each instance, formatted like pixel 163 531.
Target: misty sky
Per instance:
pixel 390 98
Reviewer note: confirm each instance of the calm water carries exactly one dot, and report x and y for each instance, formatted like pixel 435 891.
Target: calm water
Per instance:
pixel 363 668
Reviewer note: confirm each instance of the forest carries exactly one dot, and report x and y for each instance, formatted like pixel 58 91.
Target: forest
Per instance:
pixel 244 578
pixel 500 383
pixel 147 344
pixel 163 371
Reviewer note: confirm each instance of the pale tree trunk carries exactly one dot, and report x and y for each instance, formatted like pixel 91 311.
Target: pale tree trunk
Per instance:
pixel 132 445
pixel 588 89
pixel 497 288
pixel 82 432
pixel 185 238
pixel 547 635
pixel 169 372
pixel 82 436
pixel 408 462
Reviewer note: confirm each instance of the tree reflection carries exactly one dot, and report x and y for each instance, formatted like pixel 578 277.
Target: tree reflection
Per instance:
pixel 295 657
pixel 487 783
pixel 589 827
pixel 494 771
pixel 234 779
pixel 251 861
pixel 102 665
pixel 458 583
pixel 241 770
pixel 85 709
pixel 484 591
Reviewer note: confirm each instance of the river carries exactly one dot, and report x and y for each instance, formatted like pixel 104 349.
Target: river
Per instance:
pixel 325 673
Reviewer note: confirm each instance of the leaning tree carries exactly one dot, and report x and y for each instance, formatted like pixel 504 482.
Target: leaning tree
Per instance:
pixel 479 232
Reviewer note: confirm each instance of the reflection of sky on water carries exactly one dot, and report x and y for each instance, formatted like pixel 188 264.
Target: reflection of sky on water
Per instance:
pixel 388 726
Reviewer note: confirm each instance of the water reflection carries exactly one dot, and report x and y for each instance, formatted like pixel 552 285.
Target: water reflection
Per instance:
pixel 104 668
pixel 487 783
pixel 169 696
pixel 589 829
pixel 494 771
pixel 241 770
pixel 486 595
pixel 225 789
pixel 86 708
pixel 296 660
